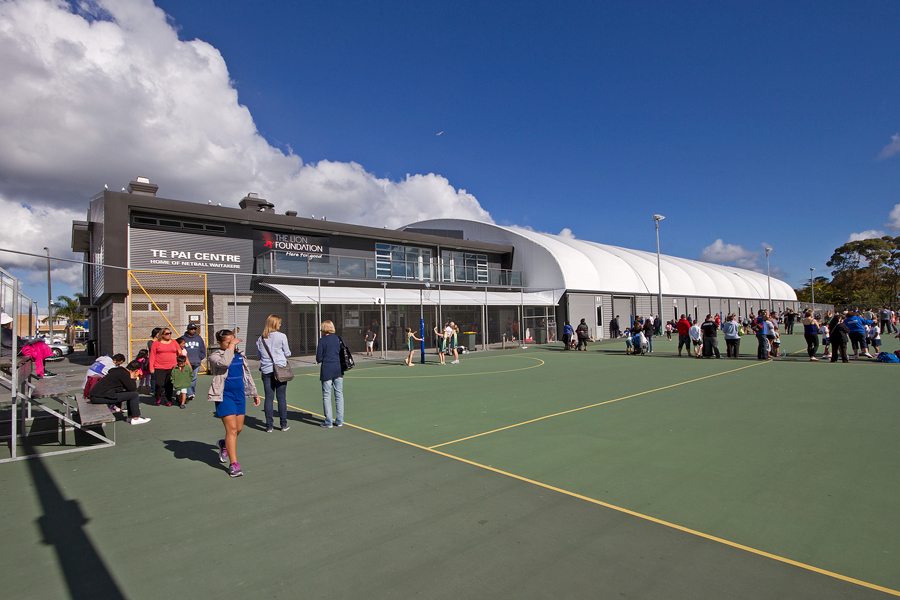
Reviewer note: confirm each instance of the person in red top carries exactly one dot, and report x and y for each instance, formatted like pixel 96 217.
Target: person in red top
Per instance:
pixel 684 339
pixel 163 357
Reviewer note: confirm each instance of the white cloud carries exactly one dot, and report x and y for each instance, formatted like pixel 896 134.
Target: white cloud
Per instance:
pixel 730 254
pixel 892 148
pixel 566 233
pixel 33 228
pixel 105 97
pixel 893 222
pixel 866 235
pixel 736 255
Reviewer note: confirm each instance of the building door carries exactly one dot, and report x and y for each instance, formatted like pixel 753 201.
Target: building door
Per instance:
pixel 623 308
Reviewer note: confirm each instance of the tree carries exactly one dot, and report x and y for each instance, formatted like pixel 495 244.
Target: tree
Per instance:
pixel 825 292
pixel 70 309
pixel 866 272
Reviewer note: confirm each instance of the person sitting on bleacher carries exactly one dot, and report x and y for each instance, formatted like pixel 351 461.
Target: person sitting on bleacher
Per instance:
pixel 118 386
pixel 99 369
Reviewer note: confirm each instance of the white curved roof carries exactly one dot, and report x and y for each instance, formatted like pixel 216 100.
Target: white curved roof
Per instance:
pixel 553 262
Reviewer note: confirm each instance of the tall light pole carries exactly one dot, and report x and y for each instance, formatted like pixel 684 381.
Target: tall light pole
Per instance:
pixel 49 299
pixel 657 219
pixel 769 278
pixel 812 287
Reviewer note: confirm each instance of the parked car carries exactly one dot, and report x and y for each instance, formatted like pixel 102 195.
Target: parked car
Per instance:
pixel 60 350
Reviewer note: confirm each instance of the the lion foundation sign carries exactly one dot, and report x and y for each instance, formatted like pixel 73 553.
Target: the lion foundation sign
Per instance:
pixel 291 244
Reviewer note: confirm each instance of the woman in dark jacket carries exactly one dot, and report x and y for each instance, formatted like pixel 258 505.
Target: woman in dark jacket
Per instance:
pixel 583 335
pixel 328 354
pixel 840 337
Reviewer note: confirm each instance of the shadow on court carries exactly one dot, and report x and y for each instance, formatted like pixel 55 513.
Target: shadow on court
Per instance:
pixel 194 450
pixel 62 526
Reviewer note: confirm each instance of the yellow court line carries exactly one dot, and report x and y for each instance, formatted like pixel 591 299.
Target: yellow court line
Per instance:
pixel 565 412
pixel 468 359
pixel 542 363
pixel 626 511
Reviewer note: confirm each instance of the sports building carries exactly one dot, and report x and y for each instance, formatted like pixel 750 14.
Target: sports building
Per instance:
pixel 161 262
pixel 598 281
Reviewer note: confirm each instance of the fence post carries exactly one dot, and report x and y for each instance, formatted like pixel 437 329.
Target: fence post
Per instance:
pixel 14 367
pixel 234 306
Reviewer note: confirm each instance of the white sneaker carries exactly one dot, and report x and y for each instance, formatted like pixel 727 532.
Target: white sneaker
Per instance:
pixel 455 362
pixel 139 420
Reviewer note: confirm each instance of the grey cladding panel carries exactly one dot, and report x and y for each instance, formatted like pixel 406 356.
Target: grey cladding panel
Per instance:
pixel 154 250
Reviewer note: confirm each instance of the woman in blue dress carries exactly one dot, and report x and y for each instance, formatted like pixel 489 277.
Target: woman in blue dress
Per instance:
pixel 231 384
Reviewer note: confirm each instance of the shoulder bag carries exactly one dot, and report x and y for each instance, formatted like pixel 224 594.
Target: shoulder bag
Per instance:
pixel 346 358
pixel 281 374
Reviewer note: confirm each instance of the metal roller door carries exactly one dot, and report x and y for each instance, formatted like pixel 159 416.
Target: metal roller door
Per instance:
pixel 622 306
pixel 582 306
pixel 606 304
pixel 642 306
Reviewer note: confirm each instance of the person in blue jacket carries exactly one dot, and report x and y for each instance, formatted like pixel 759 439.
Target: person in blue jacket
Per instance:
pixel 196 352
pixel 568 332
pixel 857 326
pixel 328 354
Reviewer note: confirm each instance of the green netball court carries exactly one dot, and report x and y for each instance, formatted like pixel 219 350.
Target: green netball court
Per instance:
pixel 526 473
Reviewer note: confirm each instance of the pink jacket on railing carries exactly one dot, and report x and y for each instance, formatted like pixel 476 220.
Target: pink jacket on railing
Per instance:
pixel 38 351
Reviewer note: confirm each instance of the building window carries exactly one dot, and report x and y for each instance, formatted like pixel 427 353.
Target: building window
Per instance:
pixel 173 224
pixel 402 262
pixel 150 307
pixel 463 267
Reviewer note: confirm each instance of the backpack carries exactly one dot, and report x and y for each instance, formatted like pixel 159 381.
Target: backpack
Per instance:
pixel 887 357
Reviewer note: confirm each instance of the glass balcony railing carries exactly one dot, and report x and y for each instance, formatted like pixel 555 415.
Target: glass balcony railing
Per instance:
pixel 332 265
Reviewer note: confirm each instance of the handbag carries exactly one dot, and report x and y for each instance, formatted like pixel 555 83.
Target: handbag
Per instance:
pixel 346 358
pixel 281 374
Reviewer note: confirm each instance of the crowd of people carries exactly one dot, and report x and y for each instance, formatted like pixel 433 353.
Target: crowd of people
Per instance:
pixel 858 330
pixel 167 372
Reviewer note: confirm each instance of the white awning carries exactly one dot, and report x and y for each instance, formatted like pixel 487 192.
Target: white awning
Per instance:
pixel 310 294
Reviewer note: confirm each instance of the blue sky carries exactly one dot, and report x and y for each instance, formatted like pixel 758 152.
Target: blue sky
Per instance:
pixel 743 123
pixel 750 122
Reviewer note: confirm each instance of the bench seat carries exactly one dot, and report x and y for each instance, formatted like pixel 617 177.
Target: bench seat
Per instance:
pixel 93 414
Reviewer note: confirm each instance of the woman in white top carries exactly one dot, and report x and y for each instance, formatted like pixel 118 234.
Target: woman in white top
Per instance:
pixel 272 349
